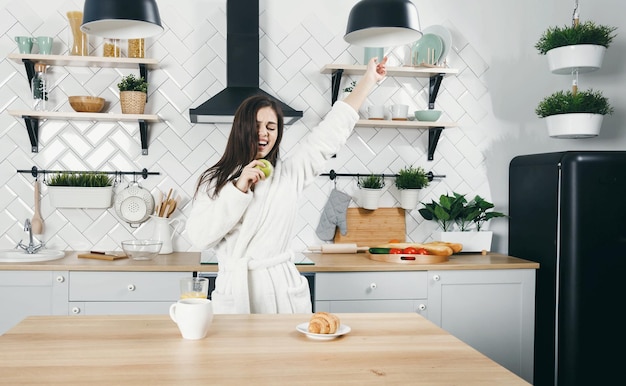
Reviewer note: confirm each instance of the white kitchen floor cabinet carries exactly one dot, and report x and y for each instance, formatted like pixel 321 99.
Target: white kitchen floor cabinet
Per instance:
pixel 371 292
pixel 26 293
pixel 102 293
pixel 491 310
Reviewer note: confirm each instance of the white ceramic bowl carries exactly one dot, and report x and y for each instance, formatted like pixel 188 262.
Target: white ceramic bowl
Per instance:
pixel 142 249
pixel 427 115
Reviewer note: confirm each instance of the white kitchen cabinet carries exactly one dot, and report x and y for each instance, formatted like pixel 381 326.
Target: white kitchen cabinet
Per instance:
pixel 28 293
pixel 371 292
pixel 491 310
pixel 99 293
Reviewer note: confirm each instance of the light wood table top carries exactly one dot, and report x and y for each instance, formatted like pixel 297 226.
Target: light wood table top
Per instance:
pixel 381 349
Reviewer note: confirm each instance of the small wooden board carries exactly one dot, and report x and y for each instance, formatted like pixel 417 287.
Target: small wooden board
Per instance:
pixel 100 256
pixel 371 227
pixel 408 259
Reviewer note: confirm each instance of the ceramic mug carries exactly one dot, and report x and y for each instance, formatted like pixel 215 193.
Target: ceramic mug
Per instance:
pixel 24 44
pixel 373 52
pixel 193 317
pixel 399 112
pixel 45 44
pixel 376 112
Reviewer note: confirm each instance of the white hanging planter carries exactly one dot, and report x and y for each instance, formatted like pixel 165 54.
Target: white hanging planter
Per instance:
pixel 80 197
pixel 370 198
pixel 574 126
pixel 581 57
pixel 472 241
pixel 409 198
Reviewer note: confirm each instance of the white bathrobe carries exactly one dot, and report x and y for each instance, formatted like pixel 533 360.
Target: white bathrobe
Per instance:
pixel 251 232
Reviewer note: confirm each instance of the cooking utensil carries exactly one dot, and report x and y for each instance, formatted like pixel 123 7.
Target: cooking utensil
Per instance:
pixel 36 223
pixel 171 207
pixel 134 204
pixel 163 212
pixel 338 248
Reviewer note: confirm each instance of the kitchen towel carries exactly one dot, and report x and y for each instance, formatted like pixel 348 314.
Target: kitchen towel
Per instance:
pixel 334 215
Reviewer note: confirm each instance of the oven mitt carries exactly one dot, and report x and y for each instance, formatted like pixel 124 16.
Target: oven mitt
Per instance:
pixel 334 215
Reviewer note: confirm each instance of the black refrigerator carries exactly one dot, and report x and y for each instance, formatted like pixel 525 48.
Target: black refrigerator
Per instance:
pixel 568 213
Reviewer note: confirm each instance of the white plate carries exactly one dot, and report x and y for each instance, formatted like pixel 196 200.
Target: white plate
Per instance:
pixel 446 38
pixel 304 328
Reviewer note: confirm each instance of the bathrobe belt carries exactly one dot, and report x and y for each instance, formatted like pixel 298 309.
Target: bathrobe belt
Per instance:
pixel 239 270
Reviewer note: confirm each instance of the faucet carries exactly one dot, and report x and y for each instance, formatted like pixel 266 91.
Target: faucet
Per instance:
pixel 31 247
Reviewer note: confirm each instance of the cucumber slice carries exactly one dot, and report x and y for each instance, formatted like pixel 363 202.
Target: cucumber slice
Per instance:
pixel 379 251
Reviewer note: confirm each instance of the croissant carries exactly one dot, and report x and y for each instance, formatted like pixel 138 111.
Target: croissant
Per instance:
pixel 323 323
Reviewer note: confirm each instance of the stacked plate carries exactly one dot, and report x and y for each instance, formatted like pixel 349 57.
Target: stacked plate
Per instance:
pixel 433 47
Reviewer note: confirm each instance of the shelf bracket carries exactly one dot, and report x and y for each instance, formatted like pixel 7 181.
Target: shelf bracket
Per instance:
pixel 143 72
pixel 433 138
pixel 143 133
pixel 433 89
pixel 336 81
pixel 30 70
pixel 32 127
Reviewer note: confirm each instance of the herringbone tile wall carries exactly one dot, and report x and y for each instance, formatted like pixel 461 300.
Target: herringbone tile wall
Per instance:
pixel 191 54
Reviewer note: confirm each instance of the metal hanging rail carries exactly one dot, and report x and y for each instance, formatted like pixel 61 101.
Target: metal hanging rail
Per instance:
pixel 332 175
pixel 34 171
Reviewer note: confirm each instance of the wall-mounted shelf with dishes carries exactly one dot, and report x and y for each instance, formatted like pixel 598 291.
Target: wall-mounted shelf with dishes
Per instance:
pixel 435 74
pixel 31 118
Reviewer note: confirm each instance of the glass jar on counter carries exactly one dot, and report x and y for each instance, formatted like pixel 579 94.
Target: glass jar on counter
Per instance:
pixel 112 48
pixel 136 48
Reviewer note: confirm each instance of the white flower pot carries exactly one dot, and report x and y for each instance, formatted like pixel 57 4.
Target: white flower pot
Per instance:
pixel 370 197
pixel 80 197
pixel 409 198
pixel 472 241
pixel 581 57
pixel 573 126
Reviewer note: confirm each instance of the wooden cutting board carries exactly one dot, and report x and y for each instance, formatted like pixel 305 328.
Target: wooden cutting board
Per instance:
pixel 100 256
pixel 371 227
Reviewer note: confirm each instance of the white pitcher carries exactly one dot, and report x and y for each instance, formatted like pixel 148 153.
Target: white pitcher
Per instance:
pixel 163 232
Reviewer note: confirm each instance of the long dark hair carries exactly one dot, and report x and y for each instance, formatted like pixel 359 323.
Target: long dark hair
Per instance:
pixel 242 144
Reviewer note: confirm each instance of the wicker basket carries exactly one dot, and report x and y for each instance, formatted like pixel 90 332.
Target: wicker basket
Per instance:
pixel 133 102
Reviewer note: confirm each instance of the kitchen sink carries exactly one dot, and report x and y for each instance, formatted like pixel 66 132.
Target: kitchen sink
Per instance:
pixel 20 256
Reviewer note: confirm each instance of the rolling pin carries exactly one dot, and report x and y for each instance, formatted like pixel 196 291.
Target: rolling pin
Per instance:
pixel 338 248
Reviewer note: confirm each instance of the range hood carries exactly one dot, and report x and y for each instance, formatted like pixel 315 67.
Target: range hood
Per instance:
pixel 242 67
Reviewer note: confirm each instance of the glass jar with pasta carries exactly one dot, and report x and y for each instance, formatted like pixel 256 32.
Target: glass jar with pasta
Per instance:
pixel 112 48
pixel 136 48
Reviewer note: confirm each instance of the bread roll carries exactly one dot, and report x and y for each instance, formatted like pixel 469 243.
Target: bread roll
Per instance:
pixel 456 247
pixel 323 323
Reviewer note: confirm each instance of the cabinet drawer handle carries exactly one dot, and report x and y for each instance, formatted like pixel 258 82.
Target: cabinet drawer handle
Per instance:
pixel 436 278
pixel 60 279
pixel 75 310
pixel 421 307
pixel 373 286
pixel 131 287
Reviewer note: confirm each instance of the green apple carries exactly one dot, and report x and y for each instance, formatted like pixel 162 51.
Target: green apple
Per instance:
pixel 266 168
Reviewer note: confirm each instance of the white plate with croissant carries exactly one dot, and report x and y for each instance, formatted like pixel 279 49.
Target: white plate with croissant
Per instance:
pixel 304 328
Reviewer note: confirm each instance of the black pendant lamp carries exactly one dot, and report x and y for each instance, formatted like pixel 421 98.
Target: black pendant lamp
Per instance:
pixel 383 23
pixel 121 19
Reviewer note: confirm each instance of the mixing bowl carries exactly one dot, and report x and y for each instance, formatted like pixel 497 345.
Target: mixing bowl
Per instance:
pixel 142 249
pixel 427 115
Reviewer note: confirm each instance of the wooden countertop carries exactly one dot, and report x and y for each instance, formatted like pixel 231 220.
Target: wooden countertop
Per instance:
pixel 398 349
pixel 190 262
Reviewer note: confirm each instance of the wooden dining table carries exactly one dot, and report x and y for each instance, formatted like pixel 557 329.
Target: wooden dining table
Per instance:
pixel 380 349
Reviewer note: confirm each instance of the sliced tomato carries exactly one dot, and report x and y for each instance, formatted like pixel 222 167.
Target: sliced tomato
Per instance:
pixel 395 251
pixel 422 251
pixel 410 250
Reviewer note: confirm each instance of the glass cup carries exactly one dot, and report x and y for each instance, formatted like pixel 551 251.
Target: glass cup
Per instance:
pixel 194 287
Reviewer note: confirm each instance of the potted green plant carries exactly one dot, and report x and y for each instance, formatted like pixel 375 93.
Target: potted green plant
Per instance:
pixel 371 190
pixel 580 46
pixel 572 114
pixel 80 190
pixel 468 217
pixel 133 94
pixel 409 180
